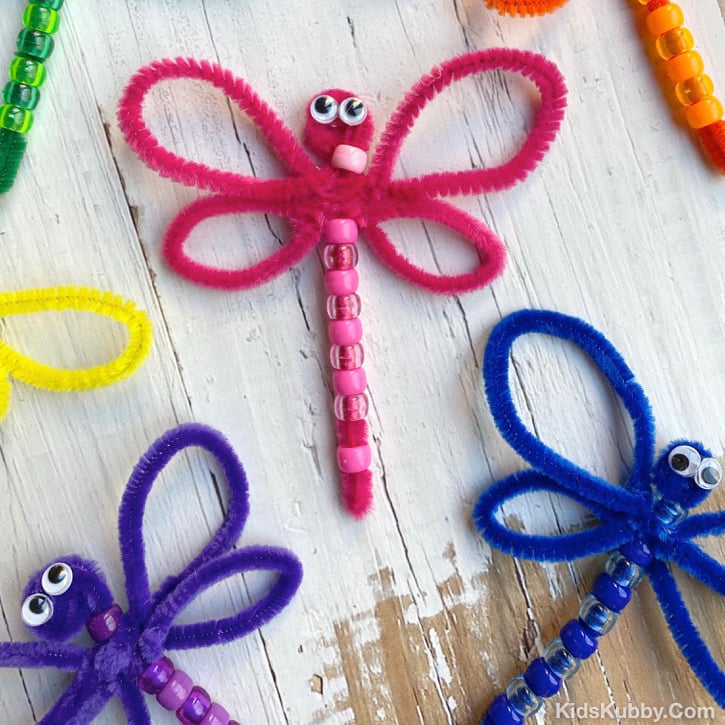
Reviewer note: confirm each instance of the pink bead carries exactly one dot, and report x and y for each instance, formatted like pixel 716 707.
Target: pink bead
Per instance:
pixel 345 332
pixel 349 158
pixel 174 695
pixel 341 281
pixel 347 357
pixel 340 256
pixel 217 715
pixel 351 407
pixel 354 460
pixel 340 231
pixel 343 307
pixel 349 382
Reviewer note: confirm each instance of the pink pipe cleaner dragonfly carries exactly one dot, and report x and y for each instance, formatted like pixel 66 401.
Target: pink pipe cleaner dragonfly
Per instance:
pixel 334 200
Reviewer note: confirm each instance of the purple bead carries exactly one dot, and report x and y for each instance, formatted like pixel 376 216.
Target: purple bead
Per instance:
pixel 179 687
pixel 638 552
pixel 156 676
pixel 611 594
pixel 578 639
pixel 217 715
pixel 501 712
pixel 103 626
pixel 195 707
pixel 542 681
pixel 233 722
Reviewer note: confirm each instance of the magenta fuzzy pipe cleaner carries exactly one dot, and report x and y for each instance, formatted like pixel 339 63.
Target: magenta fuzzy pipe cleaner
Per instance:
pixel 128 657
pixel 334 201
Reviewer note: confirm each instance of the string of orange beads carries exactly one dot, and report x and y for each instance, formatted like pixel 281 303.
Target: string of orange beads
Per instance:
pixel 684 66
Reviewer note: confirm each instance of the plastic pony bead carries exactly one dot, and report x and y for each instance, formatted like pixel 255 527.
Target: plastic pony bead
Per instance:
pixel 21 95
pixel 684 66
pixel 337 200
pixel 128 657
pixel 645 524
pixel 81 299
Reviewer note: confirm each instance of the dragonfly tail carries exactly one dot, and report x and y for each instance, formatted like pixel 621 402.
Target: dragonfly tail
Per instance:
pixel 524 7
pixel 12 150
pixel 713 139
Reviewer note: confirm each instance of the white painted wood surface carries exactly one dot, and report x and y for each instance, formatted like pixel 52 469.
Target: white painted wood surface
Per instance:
pixel 407 617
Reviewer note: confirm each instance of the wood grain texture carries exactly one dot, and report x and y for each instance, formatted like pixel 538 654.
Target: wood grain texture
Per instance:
pixel 408 617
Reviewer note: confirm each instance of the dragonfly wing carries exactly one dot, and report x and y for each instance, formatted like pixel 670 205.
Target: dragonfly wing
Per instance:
pixel 707 524
pixel 193 173
pixel 562 547
pixel 161 633
pixel 60 656
pixel 692 559
pixel 133 505
pixel 545 76
pixel 80 703
pixel 497 360
pixel 134 703
pixel 306 231
pixel 491 253
pixel 685 632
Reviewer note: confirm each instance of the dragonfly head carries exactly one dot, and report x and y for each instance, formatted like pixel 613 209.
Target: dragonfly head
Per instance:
pixel 59 598
pixel 336 117
pixel 685 473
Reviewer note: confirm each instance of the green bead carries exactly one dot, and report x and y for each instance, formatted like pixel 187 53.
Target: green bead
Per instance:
pixel 28 71
pixel 18 94
pixel 34 44
pixel 38 17
pixel 52 4
pixel 15 119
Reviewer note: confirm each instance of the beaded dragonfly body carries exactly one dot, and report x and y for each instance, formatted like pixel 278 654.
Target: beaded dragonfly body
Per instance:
pixel 646 524
pixel 128 657
pixel 334 200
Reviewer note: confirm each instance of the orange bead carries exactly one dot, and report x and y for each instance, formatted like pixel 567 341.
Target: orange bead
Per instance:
pixel 694 89
pixel 704 112
pixel 674 41
pixel 668 17
pixel 685 65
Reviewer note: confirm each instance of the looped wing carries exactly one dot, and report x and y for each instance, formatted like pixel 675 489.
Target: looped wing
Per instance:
pixel 532 449
pixel 203 634
pixel 81 299
pixel 133 503
pixel 562 547
pixel 192 173
pixel 685 632
pixel 58 655
pixel 491 252
pixel 543 73
pixel 306 233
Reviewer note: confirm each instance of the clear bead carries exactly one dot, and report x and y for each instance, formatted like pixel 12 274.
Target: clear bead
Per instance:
pixel 523 699
pixel 597 616
pixel 670 513
pixel 340 256
pixel 346 357
pixel 343 307
pixel 623 571
pixel 351 407
pixel 561 662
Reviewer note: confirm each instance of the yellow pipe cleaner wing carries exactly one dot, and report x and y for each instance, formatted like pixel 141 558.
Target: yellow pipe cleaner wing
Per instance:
pixel 81 299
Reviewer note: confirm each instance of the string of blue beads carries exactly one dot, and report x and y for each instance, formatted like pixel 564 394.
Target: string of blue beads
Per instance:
pixel 27 70
pixel 578 638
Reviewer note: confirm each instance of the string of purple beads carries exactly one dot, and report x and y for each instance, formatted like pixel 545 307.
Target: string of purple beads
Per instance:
pixel 578 638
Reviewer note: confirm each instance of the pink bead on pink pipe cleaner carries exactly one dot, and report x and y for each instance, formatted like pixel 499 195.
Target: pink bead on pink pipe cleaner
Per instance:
pixel 339 192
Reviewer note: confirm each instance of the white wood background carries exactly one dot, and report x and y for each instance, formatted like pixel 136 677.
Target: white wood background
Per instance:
pixel 407 617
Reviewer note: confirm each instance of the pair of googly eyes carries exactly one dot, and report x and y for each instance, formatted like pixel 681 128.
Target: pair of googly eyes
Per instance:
pixel 687 462
pixel 325 109
pixel 37 608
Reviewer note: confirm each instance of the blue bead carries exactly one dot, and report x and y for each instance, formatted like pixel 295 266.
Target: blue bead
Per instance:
pixel 670 513
pixel 578 639
pixel 501 712
pixel 638 552
pixel 610 593
pixel 524 700
pixel 541 679
pixel 596 616
pixel 624 571
pixel 561 662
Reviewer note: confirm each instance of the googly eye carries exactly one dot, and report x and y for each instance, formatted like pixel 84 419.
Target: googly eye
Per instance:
pixel 57 579
pixel 709 474
pixel 37 609
pixel 352 111
pixel 323 109
pixel 684 460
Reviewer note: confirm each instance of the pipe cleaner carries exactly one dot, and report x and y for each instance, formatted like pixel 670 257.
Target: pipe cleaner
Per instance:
pixel 128 657
pixel 683 65
pixel 336 199
pixel 27 73
pixel 647 522
pixel 81 299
